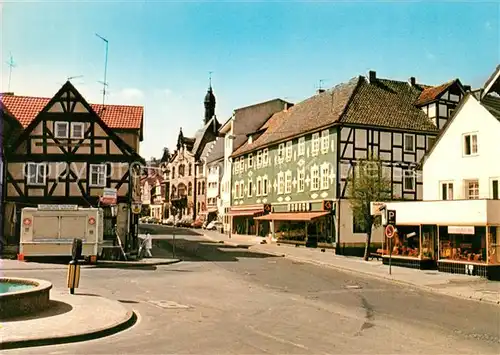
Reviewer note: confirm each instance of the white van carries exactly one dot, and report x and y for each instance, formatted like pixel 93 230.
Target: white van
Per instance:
pixel 49 230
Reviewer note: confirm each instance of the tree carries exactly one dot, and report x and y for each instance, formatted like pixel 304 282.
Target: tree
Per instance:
pixel 166 155
pixel 366 184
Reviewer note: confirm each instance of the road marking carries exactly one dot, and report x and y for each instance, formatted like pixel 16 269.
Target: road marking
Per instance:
pixel 280 340
pixel 168 304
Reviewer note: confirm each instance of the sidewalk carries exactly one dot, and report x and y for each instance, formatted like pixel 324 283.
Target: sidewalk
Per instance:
pixel 72 318
pixel 461 286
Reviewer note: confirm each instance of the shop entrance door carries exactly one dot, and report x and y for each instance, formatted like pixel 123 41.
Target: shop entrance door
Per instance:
pixel 429 242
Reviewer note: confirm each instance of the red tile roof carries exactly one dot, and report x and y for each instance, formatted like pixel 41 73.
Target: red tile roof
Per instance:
pixel 26 108
pixel 433 92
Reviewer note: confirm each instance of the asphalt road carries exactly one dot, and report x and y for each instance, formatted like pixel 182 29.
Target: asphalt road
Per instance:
pixel 224 300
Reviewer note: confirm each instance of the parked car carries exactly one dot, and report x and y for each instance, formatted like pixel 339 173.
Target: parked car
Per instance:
pixel 214 225
pixel 197 224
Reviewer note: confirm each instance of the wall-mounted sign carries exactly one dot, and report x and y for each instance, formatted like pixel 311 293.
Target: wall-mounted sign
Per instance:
pixel 58 207
pixel 461 230
pixel 299 207
pixel 109 196
pixel 136 208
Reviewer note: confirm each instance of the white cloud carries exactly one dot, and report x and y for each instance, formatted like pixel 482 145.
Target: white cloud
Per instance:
pixel 131 94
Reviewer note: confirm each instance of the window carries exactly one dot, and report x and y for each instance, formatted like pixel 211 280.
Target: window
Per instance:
pixel 301 148
pixel 265 157
pixel 281 183
pixel 430 142
pixel 242 164
pixel 472 189
pixel 250 160
pixel 325 177
pixel 259 186
pixel 77 130
pixel 259 158
pixel 409 180
pixel 190 170
pixel 447 191
pixel 98 175
pixel 250 187
pixel 173 172
pixel 494 189
pixel 315 144
pixel 242 188
pixel 470 144
pixel 301 175
pixel 36 174
pixel 281 147
pixel 288 182
pixel 358 226
pixel 237 190
pixel 409 143
pixel 325 141
pixel 61 129
pixel 203 188
pixel 264 185
pixel 315 178
pixel 181 170
pixel 190 188
pixel 288 150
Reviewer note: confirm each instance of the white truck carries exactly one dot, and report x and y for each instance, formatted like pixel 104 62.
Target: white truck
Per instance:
pixel 49 230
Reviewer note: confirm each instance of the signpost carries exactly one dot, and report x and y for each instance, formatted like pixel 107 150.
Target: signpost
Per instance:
pixel 391 217
pixel 109 196
pixel 389 233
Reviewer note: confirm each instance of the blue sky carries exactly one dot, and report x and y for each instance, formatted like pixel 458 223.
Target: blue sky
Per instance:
pixel 160 52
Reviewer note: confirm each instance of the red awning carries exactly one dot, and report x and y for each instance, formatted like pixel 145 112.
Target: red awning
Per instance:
pixel 246 210
pixel 292 216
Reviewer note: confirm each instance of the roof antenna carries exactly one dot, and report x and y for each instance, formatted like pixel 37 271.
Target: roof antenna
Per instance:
pixel 210 79
pixel 104 83
pixel 11 65
pixel 320 86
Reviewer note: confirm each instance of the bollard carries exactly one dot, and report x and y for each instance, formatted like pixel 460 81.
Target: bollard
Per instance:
pixel 73 267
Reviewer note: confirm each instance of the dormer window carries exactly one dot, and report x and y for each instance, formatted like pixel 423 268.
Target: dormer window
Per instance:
pixel 250 139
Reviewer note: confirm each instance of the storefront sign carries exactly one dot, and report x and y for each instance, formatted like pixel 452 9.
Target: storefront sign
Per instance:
pixel 58 207
pixel 461 230
pixel 299 207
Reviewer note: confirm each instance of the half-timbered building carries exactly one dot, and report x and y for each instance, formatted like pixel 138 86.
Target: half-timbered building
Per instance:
pixel 68 152
pixel 300 160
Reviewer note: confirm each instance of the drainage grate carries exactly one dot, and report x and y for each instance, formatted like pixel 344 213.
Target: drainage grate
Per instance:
pixel 168 304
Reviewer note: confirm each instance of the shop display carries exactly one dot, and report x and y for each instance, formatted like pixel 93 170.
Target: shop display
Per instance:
pixel 463 247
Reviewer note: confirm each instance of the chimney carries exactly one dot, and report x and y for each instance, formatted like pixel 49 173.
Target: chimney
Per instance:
pixel 320 91
pixel 467 88
pixel 413 81
pixel 372 76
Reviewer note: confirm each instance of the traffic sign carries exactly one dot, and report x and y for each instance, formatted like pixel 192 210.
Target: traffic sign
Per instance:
pixel 391 217
pixel 389 231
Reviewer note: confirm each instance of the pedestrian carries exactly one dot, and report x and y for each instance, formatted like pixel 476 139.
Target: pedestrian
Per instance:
pixel 149 245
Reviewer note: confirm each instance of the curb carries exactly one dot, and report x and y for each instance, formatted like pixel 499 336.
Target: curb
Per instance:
pixel 129 321
pixel 130 265
pixel 380 277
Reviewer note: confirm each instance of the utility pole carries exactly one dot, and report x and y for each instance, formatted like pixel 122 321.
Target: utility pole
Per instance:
pixel 104 83
pixel 11 65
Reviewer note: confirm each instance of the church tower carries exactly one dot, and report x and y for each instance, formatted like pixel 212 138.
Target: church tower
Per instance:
pixel 209 103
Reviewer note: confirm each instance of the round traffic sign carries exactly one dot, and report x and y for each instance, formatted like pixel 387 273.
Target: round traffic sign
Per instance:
pixel 389 231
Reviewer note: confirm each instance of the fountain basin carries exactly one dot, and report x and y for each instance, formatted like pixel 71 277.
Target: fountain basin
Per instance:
pixel 19 296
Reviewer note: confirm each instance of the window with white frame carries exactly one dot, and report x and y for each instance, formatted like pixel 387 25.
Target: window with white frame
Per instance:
pixel 288 151
pixel 301 147
pixel 36 173
pixel 409 143
pixel 315 144
pixel 237 190
pixel 472 189
pixel 250 187
pixel 314 178
pixel 470 144
pixel 242 164
pixel 409 180
pixel 61 129
pixel 98 175
pixel 265 157
pixel 242 188
pixel 264 185
pixel 288 182
pixel 446 191
pixel 301 175
pixel 259 186
pixel 259 158
pixel 281 183
pixel 494 189
pixel 250 160
pixel 281 149
pixel 325 176
pixel 77 130
pixel 325 141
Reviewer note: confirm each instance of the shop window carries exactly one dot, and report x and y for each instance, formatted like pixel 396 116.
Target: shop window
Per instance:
pixel 409 143
pixel 358 226
pixel 472 189
pixel 494 245
pixel 447 191
pixel 494 189
pixel 464 244
pixel 406 242
pixel 470 144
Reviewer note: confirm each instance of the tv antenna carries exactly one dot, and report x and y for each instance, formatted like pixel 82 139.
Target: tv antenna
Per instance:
pixel 320 85
pixel 74 77
pixel 11 65
pixel 104 83
pixel 210 78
